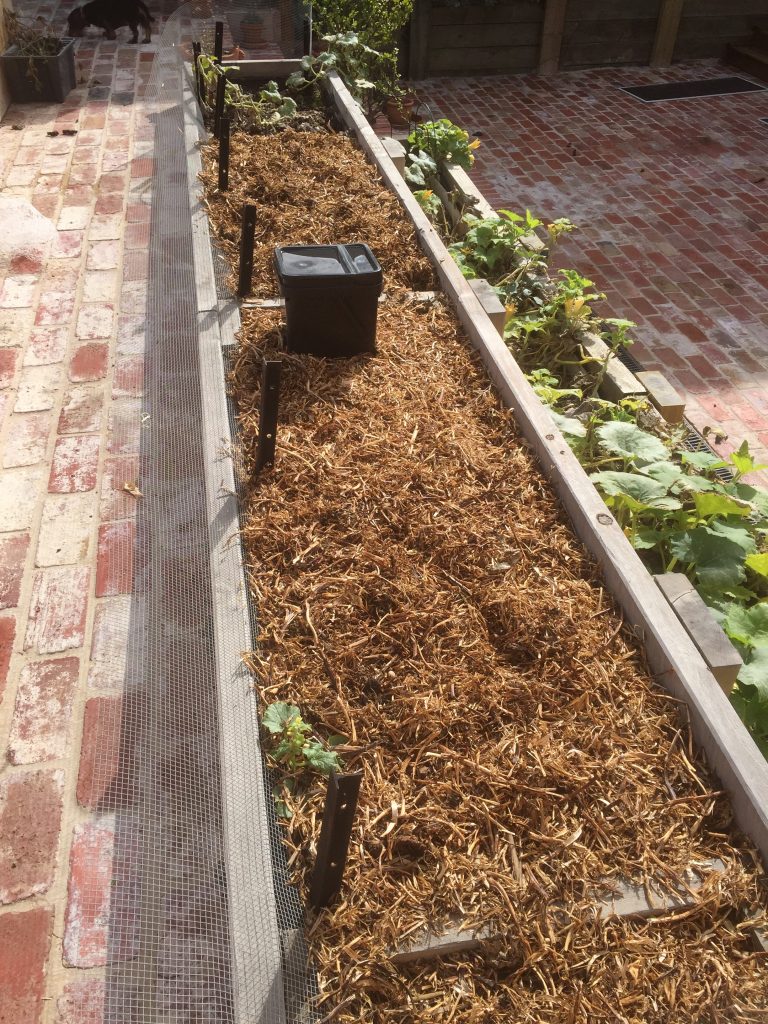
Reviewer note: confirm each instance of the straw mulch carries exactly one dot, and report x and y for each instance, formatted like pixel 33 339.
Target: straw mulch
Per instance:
pixel 317 193
pixel 420 591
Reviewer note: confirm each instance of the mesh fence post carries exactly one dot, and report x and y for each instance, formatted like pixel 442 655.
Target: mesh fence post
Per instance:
pixel 224 154
pixel 218 44
pixel 247 235
pixel 221 86
pixel 271 374
pixel 333 844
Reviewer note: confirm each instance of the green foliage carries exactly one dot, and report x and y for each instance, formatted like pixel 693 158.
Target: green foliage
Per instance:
pixel 376 22
pixel 32 39
pixel 444 141
pixel 269 108
pixel 296 749
pixel 429 203
pixel 370 75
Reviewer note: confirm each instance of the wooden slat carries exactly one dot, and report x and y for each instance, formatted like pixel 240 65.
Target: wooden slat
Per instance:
pixel 497 14
pixel 666 32
pixel 611 10
pixel 552 36
pixel 473 60
pixel 523 33
pixel 619 42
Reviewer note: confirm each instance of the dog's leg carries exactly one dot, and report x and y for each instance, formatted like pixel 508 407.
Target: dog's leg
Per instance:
pixel 110 33
pixel 146 25
pixel 134 27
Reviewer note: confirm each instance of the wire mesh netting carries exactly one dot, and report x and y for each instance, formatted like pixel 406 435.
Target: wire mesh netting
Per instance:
pixel 201 925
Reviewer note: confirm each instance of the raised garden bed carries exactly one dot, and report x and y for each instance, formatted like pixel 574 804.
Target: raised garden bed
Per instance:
pixel 420 592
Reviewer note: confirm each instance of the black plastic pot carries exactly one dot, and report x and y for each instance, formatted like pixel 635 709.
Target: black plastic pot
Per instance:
pixel 331 298
pixel 40 79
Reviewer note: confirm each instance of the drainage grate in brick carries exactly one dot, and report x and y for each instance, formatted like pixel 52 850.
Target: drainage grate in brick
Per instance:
pixel 692 90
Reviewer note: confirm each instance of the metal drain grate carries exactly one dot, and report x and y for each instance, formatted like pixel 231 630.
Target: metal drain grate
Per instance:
pixel 693 90
pixel 694 442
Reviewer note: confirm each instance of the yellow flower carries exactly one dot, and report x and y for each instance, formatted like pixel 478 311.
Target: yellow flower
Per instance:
pixel 475 144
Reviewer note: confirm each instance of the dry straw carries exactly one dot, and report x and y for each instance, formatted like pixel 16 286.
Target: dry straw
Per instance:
pixel 420 591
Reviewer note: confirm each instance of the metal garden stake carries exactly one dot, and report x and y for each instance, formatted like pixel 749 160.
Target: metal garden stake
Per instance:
pixel 224 154
pixel 268 407
pixel 333 844
pixel 221 85
pixel 247 235
pixel 196 68
pixel 218 44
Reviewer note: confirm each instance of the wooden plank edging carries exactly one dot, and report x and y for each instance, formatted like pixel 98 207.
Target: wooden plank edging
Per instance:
pixel 671 654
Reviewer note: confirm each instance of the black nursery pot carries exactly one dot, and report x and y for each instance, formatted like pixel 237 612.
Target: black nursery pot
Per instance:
pixel 47 79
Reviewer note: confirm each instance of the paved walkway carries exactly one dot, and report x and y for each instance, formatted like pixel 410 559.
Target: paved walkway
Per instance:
pixel 72 318
pixel 671 200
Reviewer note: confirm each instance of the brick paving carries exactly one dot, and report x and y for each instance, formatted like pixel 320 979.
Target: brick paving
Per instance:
pixel 671 200
pixel 72 321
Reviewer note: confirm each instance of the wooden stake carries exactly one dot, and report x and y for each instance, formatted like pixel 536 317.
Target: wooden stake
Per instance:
pixel 196 69
pixel 218 46
pixel 333 844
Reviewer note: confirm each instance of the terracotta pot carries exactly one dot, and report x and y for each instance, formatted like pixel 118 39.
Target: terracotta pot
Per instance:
pixel 400 111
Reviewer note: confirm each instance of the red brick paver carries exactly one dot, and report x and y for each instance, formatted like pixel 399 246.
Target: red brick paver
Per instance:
pixel 25 938
pixel 671 200
pixel 72 331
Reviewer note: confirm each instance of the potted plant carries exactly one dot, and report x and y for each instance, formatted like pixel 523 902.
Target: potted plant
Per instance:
pixel 399 107
pixel 39 66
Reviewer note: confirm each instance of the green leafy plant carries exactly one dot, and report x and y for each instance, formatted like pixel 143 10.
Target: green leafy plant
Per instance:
pixel 370 75
pixel 270 107
pixel 294 746
pixel 376 22
pixel 444 142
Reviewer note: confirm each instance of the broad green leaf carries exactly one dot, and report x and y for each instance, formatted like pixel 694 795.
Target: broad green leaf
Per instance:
pixel 644 538
pixel 631 442
pixel 278 716
pixel 635 485
pixel 715 504
pixel 701 460
pixel 743 461
pixel 692 482
pixel 758 564
pixel 757 497
pixel 733 532
pixel 666 472
pixel 748 625
pixel 755 673
pixel 322 760
pixel 568 424
pixel 719 563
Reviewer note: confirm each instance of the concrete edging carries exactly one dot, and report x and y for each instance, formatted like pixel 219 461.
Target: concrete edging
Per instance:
pixel 672 656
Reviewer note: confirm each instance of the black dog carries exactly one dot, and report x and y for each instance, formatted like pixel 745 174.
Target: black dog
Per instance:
pixel 112 14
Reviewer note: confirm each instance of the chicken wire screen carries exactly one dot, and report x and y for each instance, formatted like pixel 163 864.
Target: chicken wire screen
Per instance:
pixel 202 925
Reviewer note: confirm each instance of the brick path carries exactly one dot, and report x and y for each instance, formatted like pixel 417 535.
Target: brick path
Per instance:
pixel 71 360
pixel 672 204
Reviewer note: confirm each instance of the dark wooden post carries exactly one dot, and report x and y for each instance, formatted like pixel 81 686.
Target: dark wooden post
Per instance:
pixel 670 13
pixel 218 45
pixel 552 36
pixel 418 55
pixel 247 235
pixel 335 833
pixel 271 374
